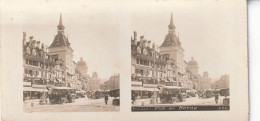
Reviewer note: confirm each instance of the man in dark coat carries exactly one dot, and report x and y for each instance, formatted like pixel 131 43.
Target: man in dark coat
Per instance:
pixel 106 98
pixel 216 98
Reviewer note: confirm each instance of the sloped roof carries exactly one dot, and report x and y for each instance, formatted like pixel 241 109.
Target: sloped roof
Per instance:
pixel 60 40
pixel 170 40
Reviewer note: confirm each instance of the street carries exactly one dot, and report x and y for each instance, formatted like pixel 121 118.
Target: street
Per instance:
pixel 80 105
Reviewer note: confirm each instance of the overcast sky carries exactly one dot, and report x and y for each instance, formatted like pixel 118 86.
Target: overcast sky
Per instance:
pixel 97 31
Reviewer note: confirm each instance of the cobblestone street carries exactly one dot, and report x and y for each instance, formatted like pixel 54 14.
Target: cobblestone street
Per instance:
pixel 80 105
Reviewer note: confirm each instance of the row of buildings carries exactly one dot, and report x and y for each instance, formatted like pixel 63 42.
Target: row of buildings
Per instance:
pixel 155 66
pixel 48 66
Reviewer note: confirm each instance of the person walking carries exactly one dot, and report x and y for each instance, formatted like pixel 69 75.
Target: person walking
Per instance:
pixel 106 98
pixel 216 98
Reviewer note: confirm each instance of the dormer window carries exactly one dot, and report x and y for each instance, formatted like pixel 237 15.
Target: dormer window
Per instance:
pixel 144 51
pixel 138 49
pixel 28 50
pixel 34 52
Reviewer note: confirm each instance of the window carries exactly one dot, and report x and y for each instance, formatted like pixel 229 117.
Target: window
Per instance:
pixel 30 72
pixel 35 63
pixel 141 62
pixel 137 61
pixel 30 62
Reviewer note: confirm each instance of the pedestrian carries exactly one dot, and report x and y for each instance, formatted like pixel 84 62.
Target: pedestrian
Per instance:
pixel 216 98
pixel 133 98
pixel 106 98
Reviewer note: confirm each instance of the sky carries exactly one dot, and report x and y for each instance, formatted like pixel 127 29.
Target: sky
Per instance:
pixel 100 32
pixel 207 31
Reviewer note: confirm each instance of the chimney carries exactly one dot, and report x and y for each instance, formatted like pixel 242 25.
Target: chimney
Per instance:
pixel 141 38
pixel 31 39
pixel 135 35
pixel 24 38
pixel 149 43
pixel 144 43
pixel 43 46
pixel 38 44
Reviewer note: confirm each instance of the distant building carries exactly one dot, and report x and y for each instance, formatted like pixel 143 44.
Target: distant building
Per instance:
pixel 81 72
pixel 205 81
pixel 223 82
pixel 93 82
pixel 112 83
pixel 81 66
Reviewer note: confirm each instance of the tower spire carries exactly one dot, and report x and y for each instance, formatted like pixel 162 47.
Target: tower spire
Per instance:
pixel 60 26
pixel 171 25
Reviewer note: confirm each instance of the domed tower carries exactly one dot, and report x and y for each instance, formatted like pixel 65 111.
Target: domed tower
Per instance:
pixel 81 66
pixel 94 75
pixel 206 74
pixel 193 66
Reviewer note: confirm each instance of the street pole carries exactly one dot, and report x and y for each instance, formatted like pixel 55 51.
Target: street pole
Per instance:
pixel 154 96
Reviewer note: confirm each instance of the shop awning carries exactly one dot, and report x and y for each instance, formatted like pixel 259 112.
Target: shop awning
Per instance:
pixel 150 85
pixel 173 87
pixel 152 89
pixel 62 88
pixel 136 88
pixel 136 83
pixel 27 83
pixel 34 89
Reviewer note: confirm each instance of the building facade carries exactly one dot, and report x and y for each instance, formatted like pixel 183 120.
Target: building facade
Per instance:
pixel 41 70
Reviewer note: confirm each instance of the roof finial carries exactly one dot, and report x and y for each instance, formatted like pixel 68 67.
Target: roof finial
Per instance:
pixel 60 26
pixel 171 25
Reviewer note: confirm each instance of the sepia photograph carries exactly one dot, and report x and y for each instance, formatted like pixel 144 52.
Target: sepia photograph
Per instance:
pixel 62 73
pixel 131 60
pixel 178 63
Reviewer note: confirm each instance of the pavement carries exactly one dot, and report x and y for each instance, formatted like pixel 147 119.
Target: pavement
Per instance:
pixel 80 105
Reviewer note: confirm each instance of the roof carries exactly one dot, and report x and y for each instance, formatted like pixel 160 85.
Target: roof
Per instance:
pixel 60 40
pixel 171 39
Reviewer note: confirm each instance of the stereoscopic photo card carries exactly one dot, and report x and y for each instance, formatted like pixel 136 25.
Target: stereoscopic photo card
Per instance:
pixel 124 60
